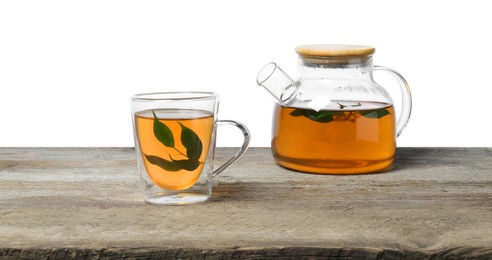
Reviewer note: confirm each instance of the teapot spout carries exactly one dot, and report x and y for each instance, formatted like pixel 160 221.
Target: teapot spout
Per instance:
pixel 278 83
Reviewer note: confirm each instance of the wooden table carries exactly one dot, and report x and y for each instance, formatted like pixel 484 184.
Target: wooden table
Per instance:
pixel 58 203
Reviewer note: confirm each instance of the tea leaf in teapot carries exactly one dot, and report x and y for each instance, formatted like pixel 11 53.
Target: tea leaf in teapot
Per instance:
pixel 378 113
pixel 162 132
pixel 163 163
pixel 298 112
pixel 327 116
pixel 311 114
pixel 317 116
pixel 191 142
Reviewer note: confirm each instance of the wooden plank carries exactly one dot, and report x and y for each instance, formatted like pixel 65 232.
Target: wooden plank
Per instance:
pixel 84 203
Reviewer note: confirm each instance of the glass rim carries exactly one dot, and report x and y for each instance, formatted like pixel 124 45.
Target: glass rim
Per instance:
pixel 175 96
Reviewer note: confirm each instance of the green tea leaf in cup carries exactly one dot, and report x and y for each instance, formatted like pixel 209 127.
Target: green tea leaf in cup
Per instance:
pixel 162 132
pixel 191 142
pixel 189 165
pixel 163 163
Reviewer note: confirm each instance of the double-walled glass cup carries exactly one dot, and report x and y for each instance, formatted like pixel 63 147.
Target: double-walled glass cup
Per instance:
pixel 175 144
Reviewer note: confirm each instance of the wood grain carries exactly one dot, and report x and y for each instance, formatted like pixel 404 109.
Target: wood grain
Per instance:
pixel 79 203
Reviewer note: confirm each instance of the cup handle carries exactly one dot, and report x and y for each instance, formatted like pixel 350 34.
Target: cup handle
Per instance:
pixel 406 109
pixel 247 137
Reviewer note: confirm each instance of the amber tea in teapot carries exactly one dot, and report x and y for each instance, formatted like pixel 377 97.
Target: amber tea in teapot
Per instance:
pixel 344 142
pixel 334 119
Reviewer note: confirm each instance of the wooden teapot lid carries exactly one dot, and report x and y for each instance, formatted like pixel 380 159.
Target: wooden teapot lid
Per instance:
pixel 334 50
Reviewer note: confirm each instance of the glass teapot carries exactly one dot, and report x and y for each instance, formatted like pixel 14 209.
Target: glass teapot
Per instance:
pixel 335 119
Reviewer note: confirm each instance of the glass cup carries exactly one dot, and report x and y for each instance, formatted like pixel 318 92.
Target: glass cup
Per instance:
pixel 175 144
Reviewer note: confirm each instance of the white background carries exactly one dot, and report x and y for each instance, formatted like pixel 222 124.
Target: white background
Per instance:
pixel 69 68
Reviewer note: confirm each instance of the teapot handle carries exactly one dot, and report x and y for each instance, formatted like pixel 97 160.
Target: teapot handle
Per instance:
pixel 406 109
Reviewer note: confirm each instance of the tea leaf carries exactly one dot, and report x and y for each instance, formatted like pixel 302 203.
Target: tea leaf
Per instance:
pixel 191 142
pixel 327 116
pixel 323 119
pixel 189 165
pixel 162 132
pixel 163 163
pixel 297 112
pixel 375 113
pixel 320 116
pixel 311 114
